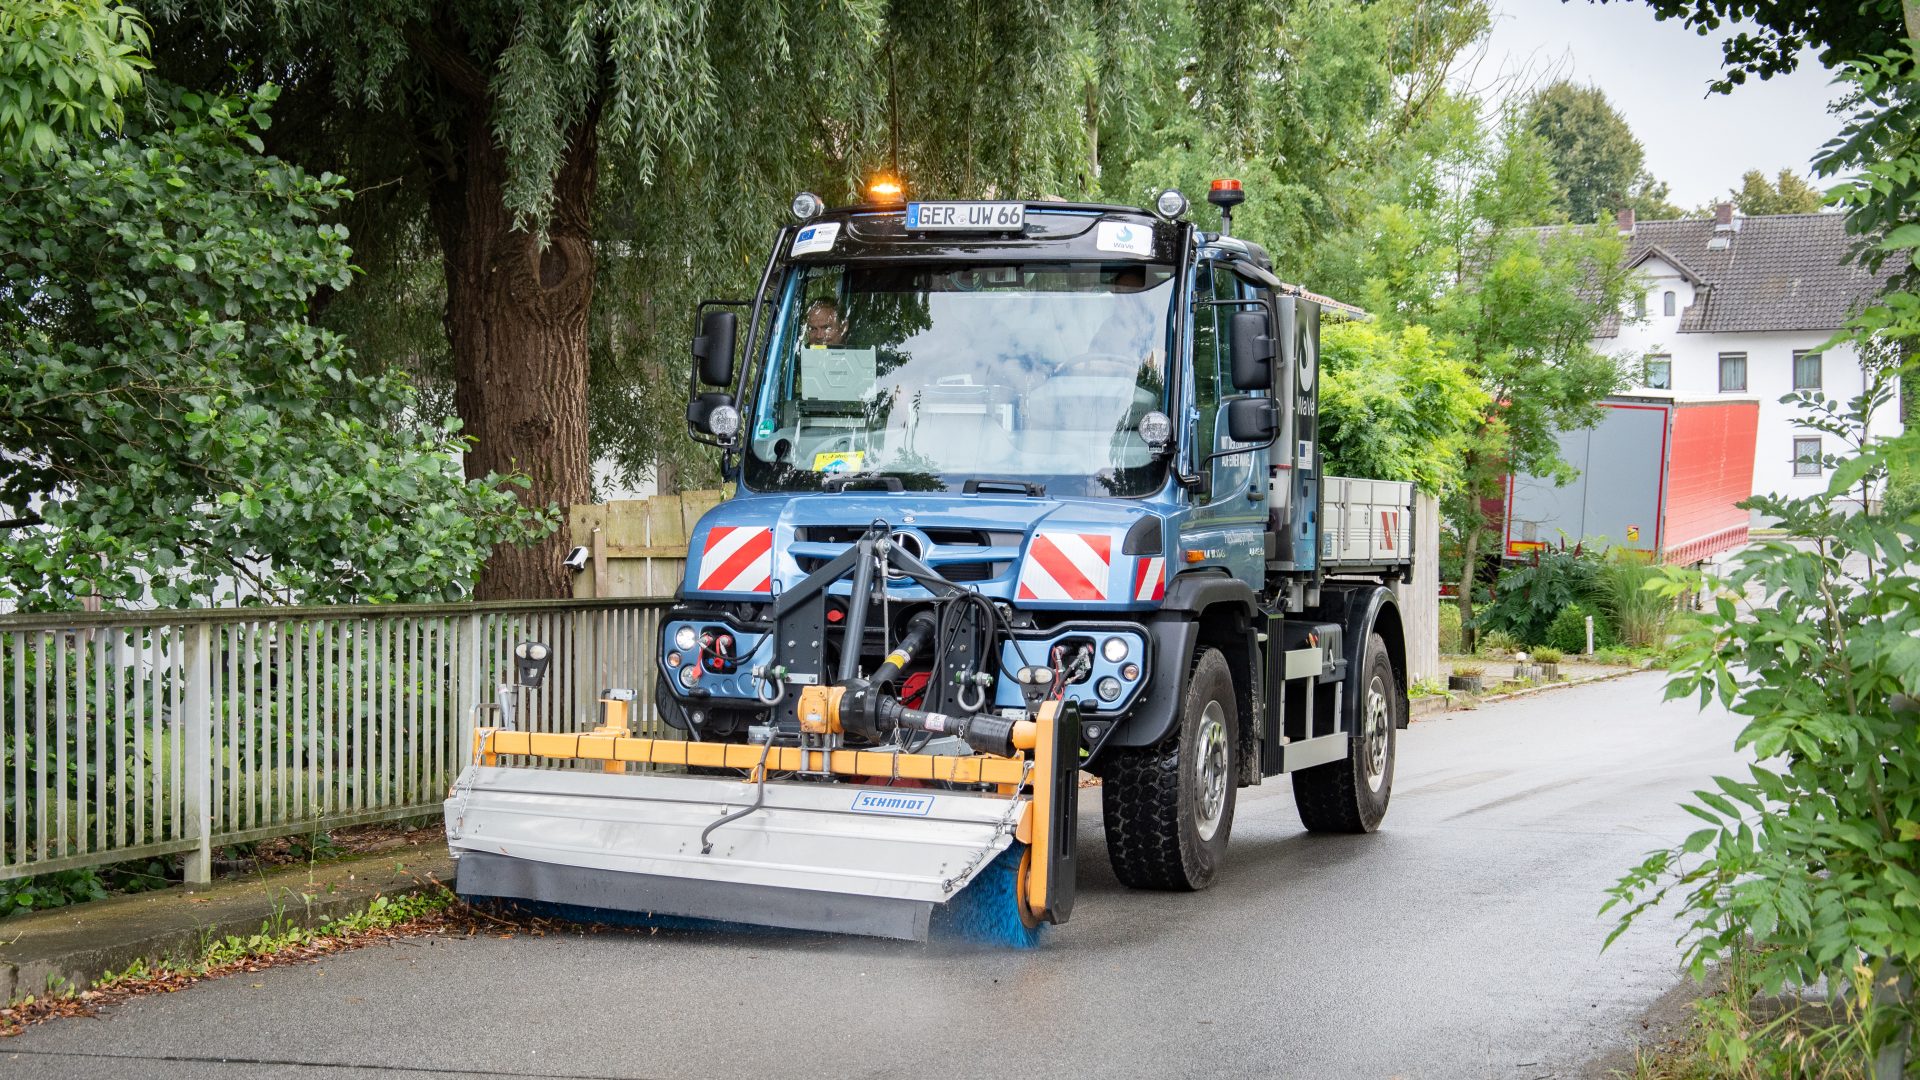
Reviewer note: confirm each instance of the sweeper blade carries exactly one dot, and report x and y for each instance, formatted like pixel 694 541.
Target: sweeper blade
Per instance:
pixel 816 856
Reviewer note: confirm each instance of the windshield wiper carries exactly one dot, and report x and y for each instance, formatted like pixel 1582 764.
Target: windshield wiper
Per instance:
pixel 1032 488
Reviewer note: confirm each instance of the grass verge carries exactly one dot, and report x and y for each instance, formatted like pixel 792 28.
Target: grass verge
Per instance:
pixel 386 918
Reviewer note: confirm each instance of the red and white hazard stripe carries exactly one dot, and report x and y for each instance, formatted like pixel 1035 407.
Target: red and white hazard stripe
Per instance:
pixel 737 559
pixel 1150 578
pixel 1066 566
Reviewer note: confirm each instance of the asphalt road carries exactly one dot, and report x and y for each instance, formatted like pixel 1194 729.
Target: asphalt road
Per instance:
pixel 1460 941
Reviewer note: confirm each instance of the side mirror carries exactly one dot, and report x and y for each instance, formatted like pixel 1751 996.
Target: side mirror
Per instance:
pixel 1252 351
pixel 1252 420
pixel 714 347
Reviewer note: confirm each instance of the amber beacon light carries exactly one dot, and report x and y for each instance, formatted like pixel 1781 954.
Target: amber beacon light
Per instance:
pixel 886 191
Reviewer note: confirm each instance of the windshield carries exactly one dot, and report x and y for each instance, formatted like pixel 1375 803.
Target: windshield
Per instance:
pixel 931 376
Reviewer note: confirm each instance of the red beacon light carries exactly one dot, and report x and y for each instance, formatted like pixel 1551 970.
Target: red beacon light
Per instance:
pixel 1225 193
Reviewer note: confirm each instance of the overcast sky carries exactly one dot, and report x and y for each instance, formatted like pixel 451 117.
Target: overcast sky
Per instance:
pixel 1656 75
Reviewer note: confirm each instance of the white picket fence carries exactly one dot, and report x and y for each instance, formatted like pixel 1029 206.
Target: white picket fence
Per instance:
pixel 131 735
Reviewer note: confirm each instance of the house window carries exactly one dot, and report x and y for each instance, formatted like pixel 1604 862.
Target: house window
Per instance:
pixel 1806 370
pixel 1669 304
pixel 1733 373
pixel 1659 374
pixel 1640 305
pixel 1806 457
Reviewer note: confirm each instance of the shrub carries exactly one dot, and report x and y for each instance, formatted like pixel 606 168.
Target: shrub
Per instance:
pixel 1639 617
pixel 1548 655
pixel 1532 593
pixel 1469 671
pixel 1568 631
pixel 1498 641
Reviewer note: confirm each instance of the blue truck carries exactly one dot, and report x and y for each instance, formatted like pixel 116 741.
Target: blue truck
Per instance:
pixel 1022 490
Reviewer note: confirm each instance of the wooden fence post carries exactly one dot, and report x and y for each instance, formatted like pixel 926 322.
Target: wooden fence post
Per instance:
pixel 198 751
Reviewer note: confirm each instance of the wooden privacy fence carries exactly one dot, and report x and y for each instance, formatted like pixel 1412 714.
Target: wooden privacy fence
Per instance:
pixel 138 734
pixel 637 547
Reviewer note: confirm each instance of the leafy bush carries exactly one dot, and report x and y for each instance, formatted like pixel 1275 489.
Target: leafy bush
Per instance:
pixel 1548 655
pixel 1498 641
pixel 43 891
pixel 1532 593
pixel 1638 616
pixel 1568 631
pixel 1808 873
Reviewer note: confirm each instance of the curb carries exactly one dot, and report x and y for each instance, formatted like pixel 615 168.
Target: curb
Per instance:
pixel 1468 705
pixel 68 948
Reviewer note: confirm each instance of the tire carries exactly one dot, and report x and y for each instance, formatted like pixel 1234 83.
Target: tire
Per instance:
pixel 1350 795
pixel 1168 809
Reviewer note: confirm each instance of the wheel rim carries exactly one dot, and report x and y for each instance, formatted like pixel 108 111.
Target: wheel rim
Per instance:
pixel 1377 728
pixel 1210 770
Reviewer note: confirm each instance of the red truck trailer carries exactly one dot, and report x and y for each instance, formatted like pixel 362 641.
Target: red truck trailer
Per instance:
pixel 1661 473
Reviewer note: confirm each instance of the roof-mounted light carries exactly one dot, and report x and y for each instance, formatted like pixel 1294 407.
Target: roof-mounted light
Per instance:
pixel 886 191
pixel 1225 193
pixel 807 206
pixel 1170 204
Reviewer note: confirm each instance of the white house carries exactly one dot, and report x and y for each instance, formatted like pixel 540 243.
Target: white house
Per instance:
pixel 1742 306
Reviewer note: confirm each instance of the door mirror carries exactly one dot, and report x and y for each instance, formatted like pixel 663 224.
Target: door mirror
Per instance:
pixel 1252 420
pixel 713 349
pixel 1252 351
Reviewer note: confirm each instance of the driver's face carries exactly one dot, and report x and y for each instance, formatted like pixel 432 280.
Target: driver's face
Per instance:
pixel 824 326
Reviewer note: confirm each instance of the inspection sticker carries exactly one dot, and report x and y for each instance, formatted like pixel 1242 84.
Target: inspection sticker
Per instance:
pixel 815 238
pixel 1121 236
pixel 889 802
pixel 839 461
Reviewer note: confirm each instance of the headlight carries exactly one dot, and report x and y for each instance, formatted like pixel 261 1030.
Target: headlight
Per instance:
pixel 806 205
pixel 684 638
pixel 689 675
pixel 1108 689
pixel 724 421
pixel 1156 428
pixel 1114 649
pixel 1171 204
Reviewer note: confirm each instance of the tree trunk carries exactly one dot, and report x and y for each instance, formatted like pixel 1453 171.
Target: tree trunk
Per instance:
pixel 1470 557
pixel 517 321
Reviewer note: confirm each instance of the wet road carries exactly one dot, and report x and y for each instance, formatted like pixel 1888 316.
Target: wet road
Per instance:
pixel 1460 941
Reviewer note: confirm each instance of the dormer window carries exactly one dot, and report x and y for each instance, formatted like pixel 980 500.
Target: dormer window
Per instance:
pixel 1669 304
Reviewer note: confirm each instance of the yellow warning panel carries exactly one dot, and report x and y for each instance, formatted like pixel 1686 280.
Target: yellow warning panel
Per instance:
pixel 1633 534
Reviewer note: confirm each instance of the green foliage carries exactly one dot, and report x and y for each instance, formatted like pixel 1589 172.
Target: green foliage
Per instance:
pixel 65 67
pixel 1625 589
pixel 1547 654
pixel 1498 641
pixel 1531 594
pixel 1394 405
pixel 1597 161
pixel 1450 628
pixel 1812 857
pixel 1771 36
pixel 43 891
pixel 169 415
pixel 1788 194
pixel 1568 630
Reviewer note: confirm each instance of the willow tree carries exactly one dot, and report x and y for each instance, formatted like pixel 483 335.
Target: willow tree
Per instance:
pixel 544 150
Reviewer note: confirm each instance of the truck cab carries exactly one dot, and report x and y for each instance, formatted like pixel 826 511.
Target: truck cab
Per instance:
pixel 1083 439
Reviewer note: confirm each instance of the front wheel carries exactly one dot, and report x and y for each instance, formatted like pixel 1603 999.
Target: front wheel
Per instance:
pixel 1169 809
pixel 1350 795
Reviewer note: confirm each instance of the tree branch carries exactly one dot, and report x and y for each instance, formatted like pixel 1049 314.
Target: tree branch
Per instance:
pixel 21 522
pixel 451 64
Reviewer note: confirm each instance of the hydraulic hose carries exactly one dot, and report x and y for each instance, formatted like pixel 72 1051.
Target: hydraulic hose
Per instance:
pixel 920 630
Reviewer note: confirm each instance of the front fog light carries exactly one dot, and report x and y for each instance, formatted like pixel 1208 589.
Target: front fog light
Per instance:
pixel 684 638
pixel 1114 649
pixel 1108 689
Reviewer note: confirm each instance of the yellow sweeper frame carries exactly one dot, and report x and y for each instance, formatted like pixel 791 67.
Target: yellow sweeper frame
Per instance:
pixel 1049 784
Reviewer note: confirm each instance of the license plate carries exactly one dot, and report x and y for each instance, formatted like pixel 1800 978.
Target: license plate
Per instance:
pixel 966 216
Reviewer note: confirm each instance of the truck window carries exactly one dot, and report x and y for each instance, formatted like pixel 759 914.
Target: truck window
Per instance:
pixel 934 374
pixel 1212 370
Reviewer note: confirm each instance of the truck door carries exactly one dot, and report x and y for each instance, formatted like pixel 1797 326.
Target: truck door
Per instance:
pixel 1225 523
